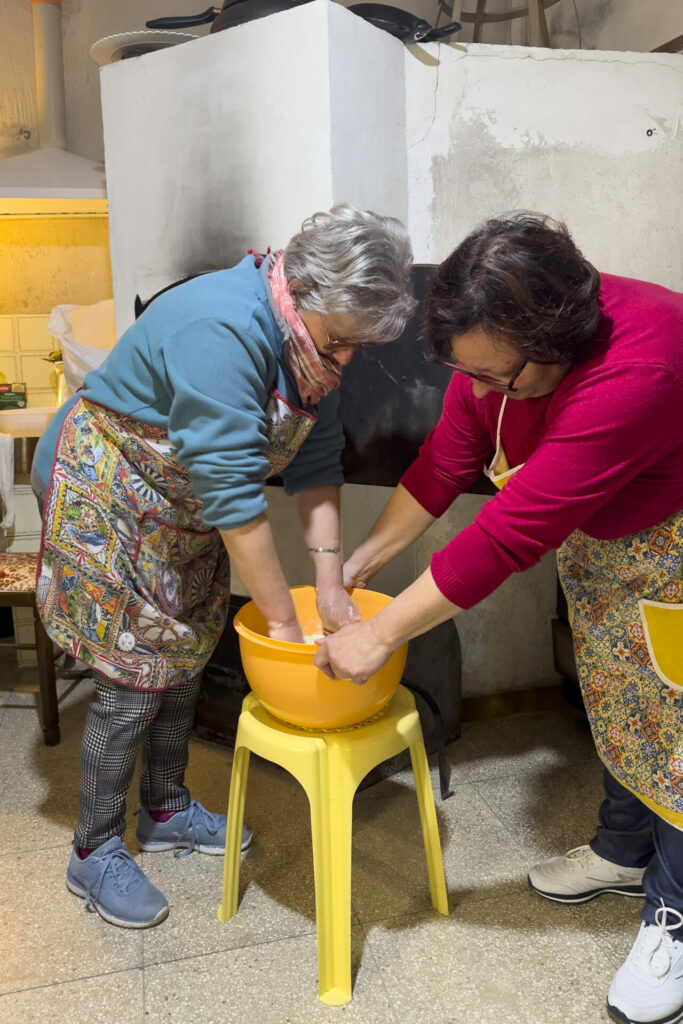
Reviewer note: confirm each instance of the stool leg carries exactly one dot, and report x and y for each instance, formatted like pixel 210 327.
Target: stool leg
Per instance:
pixel 233 838
pixel 430 827
pixel 331 826
pixel 49 711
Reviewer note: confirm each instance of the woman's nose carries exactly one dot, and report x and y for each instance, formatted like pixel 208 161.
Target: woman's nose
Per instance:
pixel 344 356
pixel 480 390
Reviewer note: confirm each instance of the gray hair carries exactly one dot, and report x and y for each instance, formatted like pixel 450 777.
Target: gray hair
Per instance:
pixel 354 263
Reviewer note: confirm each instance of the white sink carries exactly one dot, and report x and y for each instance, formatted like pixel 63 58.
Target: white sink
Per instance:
pixel 26 422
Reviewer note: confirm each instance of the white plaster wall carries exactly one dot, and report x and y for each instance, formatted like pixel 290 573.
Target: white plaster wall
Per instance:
pixel 593 138
pixel 233 159
pixel 367 115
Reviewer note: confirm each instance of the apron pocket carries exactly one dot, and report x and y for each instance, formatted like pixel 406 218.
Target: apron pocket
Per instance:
pixel 663 626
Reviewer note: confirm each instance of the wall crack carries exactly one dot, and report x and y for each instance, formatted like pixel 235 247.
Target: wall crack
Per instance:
pixel 436 101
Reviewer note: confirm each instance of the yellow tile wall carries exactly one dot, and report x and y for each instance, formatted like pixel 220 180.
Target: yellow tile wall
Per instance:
pixel 24 342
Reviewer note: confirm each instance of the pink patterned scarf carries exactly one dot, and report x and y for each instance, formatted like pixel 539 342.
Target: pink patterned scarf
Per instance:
pixel 315 374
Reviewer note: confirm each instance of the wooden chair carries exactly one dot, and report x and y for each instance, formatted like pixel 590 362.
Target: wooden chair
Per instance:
pixel 534 10
pixel 18 589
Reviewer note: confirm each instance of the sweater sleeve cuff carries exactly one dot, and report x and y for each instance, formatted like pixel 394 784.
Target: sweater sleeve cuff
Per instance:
pixel 464 574
pixel 331 477
pixel 434 496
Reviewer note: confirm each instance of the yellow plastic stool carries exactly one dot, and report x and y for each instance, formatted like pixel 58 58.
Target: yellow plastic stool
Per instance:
pixel 330 766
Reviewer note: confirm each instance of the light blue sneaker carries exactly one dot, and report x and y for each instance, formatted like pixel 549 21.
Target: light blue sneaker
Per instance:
pixel 112 883
pixel 193 829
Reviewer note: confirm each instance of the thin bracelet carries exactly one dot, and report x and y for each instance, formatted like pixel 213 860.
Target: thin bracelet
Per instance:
pixel 325 551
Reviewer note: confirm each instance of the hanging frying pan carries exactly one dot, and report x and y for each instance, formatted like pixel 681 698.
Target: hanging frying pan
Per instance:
pixel 401 24
pixel 232 13
pixel 406 27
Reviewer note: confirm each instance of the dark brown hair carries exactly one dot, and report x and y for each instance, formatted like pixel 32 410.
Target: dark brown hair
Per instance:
pixel 522 280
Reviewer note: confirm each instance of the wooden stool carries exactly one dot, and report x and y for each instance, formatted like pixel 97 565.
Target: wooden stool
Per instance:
pixel 534 11
pixel 18 589
pixel 330 765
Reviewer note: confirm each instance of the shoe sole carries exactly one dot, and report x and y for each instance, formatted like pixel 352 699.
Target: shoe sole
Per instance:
pixel 118 921
pixel 584 897
pixel 211 850
pixel 620 1017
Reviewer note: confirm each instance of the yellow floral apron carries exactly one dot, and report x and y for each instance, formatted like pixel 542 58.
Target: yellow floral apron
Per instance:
pixel 625 601
pixel 130 580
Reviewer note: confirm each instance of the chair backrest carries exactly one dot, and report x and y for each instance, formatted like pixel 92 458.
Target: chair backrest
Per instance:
pixel 534 10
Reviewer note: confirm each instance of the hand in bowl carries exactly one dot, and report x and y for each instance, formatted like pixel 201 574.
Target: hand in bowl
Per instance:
pixel 353 653
pixel 336 609
pixel 356 574
pixel 289 631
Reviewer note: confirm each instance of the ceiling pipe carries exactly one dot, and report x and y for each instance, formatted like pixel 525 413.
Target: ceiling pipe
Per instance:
pixel 49 59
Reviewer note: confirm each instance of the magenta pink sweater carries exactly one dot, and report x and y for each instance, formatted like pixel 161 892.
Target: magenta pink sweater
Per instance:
pixel 602 453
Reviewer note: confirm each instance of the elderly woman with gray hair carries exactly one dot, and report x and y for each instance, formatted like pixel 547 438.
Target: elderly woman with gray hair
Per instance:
pixel 152 482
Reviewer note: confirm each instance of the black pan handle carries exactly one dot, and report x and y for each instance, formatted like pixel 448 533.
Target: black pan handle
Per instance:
pixel 185 22
pixel 441 33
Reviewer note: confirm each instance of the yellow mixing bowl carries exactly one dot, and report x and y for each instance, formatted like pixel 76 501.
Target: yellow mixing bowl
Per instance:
pixel 291 687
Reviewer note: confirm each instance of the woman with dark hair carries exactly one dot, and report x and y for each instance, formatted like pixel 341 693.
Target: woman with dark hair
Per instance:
pixel 574 380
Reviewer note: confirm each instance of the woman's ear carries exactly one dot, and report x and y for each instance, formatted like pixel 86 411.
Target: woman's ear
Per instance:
pixel 293 288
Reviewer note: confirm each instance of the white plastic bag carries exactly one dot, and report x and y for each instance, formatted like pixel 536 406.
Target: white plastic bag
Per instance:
pixel 79 358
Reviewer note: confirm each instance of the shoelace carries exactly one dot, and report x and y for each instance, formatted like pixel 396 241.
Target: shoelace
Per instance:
pixel 580 856
pixel 198 817
pixel 124 870
pixel 654 956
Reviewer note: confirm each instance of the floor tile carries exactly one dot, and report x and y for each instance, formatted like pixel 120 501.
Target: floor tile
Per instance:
pixel 21 736
pixel 46 934
pixel 104 999
pixel 548 811
pixel 276 900
pixel 514 960
pixel 38 808
pixel 389 867
pixel 614 921
pixel 273 983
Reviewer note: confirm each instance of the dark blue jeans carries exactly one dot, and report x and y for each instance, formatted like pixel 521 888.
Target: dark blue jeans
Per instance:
pixel 630 834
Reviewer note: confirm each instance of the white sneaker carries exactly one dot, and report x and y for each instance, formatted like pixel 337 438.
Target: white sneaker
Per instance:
pixel 581 875
pixel 648 987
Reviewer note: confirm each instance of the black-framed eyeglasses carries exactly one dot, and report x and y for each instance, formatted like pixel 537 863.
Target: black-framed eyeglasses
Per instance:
pixel 340 344
pixel 482 378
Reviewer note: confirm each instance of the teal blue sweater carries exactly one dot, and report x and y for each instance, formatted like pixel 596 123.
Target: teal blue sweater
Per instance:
pixel 200 363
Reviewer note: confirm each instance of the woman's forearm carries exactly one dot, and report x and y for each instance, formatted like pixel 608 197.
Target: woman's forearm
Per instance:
pixel 318 510
pixel 418 608
pixel 319 513
pixel 402 521
pixel 252 552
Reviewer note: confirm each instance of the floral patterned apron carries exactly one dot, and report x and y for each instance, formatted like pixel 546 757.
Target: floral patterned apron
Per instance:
pixel 625 599
pixel 130 580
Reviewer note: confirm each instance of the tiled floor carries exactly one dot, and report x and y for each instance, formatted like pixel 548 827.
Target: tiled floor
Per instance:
pixel 525 787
